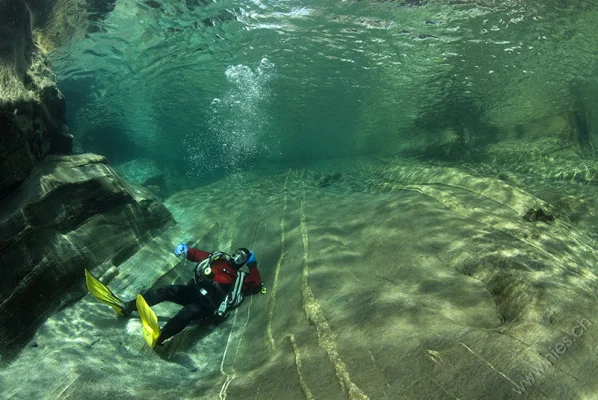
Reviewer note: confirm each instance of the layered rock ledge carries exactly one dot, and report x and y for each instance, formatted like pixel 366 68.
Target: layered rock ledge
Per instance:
pixel 70 213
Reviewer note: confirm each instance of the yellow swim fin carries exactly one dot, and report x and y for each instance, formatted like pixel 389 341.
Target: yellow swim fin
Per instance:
pixel 103 294
pixel 149 322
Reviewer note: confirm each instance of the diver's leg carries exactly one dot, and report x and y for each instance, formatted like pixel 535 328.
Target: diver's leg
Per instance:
pixel 188 313
pixel 179 294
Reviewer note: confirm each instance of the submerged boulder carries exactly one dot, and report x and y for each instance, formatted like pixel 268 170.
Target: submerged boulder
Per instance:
pixel 70 213
pixel 143 172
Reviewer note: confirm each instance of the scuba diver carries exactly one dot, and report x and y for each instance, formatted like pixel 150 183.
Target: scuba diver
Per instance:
pixel 219 284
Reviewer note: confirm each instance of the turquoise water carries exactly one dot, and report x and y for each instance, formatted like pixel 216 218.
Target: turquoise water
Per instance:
pixel 215 87
pixel 417 180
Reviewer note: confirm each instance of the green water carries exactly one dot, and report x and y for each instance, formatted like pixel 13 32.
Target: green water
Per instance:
pixel 207 88
pixel 417 180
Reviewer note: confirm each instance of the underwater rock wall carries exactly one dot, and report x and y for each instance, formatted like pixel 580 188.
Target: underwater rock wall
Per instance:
pixel 71 213
pixel 60 213
pixel 32 109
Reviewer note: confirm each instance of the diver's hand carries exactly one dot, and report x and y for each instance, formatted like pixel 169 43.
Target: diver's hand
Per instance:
pixel 181 250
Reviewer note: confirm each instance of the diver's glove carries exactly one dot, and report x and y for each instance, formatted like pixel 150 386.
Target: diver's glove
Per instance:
pixel 251 258
pixel 181 250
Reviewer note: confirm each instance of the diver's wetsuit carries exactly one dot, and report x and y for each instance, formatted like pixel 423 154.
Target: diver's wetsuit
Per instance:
pixel 199 300
pixel 195 306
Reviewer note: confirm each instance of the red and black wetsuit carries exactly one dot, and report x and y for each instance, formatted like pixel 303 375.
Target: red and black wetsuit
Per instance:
pixel 225 274
pixel 201 300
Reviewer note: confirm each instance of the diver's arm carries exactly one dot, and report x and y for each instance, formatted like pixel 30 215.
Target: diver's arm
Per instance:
pixel 197 255
pixel 253 282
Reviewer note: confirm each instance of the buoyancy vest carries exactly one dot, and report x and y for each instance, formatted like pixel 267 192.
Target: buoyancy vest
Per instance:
pixel 226 282
pixel 218 280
